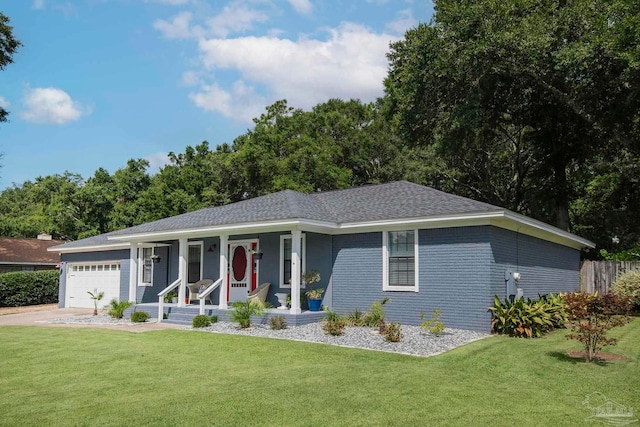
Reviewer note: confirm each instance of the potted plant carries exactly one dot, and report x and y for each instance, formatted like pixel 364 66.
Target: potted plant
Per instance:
pixel 314 296
pixel 171 297
pixel 155 258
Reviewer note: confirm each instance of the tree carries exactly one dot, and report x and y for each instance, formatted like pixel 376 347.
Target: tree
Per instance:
pixel 8 47
pixel 518 96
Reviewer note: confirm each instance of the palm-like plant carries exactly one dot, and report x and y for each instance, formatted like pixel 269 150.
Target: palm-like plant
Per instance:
pixel 95 296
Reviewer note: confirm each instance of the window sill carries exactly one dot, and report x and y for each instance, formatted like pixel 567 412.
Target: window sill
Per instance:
pixel 400 289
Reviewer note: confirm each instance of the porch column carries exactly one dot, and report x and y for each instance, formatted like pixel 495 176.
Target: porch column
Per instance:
pixel 133 272
pixel 182 271
pixel 296 237
pixel 224 263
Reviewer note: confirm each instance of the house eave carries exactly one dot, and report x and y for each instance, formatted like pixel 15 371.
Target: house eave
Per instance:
pixel 90 248
pixel 242 228
pixel 499 218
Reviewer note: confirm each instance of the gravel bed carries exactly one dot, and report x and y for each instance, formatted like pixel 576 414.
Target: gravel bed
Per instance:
pixel 415 342
pixel 101 319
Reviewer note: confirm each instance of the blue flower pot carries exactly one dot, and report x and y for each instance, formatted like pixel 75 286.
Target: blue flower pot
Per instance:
pixel 314 304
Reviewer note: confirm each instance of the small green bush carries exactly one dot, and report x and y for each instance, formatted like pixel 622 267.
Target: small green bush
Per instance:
pixel 434 325
pixel 22 288
pixel 356 318
pixel 375 316
pixel 628 285
pixel 393 332
pixel 277 323
pixel 527 318
pixel 214 319
pixel 242 312
pixel 117 308
pixel 139 316
pixel 201 321
pixel 330 316
pixel 334 327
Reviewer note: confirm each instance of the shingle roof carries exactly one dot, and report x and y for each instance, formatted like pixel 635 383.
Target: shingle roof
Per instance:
pixel 395 200
pixel 33 251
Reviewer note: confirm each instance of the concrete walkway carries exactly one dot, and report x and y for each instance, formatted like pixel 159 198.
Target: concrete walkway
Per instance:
pixel 40 316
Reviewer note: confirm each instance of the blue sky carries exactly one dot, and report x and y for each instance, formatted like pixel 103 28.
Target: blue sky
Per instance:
pixel 98 82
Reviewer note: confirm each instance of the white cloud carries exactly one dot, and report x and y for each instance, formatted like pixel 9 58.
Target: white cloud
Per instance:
pixel 51 105
pixel 402 23
pixel 236 17
pixel 351 63
pixel 302 6
pixel 240 103
pixel 38 4
pixel 178 28
pixel 191 78
pixel 157 161
pixel 4 103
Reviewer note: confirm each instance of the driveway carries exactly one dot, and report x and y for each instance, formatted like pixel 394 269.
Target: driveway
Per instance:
pixel 40 315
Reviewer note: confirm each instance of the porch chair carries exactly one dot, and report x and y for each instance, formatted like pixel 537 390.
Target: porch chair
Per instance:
pixel 195 288
pixel 259 294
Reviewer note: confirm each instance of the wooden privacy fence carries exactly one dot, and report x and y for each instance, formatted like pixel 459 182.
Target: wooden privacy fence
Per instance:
pixel 600 275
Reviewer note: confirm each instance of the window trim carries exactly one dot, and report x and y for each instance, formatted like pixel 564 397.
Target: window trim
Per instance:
pixel 141 249
pixel 201 244
pixel 302 259
pixel 385 263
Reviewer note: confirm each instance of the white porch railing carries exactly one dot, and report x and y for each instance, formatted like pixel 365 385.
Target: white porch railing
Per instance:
pixel 161 295
pixel 204 294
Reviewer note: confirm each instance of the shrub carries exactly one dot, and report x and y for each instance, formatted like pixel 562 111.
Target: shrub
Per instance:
pixel 434 325
pixel 376 314
pixel 139 316
pixel 628 285
pixel 201 321
pixel 334 327
pixel 214 318
pixel 591 316
pixel 356 318
pixel 22 288
pixel 393 332
pixel 117 308
pixel 528 318
pixel 331 315
pixel 242 312
pixel 277 323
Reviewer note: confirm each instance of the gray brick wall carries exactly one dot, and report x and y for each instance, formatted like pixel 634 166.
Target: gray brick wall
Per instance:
pixel 545 267
pixel 454 272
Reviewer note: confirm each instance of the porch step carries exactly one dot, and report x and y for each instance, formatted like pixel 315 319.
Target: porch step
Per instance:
pixel 185 315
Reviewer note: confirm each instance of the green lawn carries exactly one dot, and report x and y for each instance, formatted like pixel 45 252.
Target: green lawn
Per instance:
pixel 63 376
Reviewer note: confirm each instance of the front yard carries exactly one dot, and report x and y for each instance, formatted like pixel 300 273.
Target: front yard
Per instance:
pixel 67 376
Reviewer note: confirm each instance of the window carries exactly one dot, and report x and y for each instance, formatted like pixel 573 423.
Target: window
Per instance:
pixel 400 264
pixel 285 259
pixel 146 267
pixel 194 262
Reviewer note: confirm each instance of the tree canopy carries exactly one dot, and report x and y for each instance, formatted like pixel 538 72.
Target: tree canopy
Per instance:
pixel 8 47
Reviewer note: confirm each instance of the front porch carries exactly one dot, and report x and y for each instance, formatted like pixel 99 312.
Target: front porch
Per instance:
pixel 184 314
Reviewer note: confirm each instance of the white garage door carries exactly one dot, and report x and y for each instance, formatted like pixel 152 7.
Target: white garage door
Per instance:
pixel 83 277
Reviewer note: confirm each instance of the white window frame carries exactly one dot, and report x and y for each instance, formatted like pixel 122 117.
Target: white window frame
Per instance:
pixel 201 244
pixel 303 260
pixel 141 249
pixel 385 263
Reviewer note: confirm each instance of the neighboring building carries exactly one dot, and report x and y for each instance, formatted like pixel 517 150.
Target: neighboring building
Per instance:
pixel 420 247
pixel 28 254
